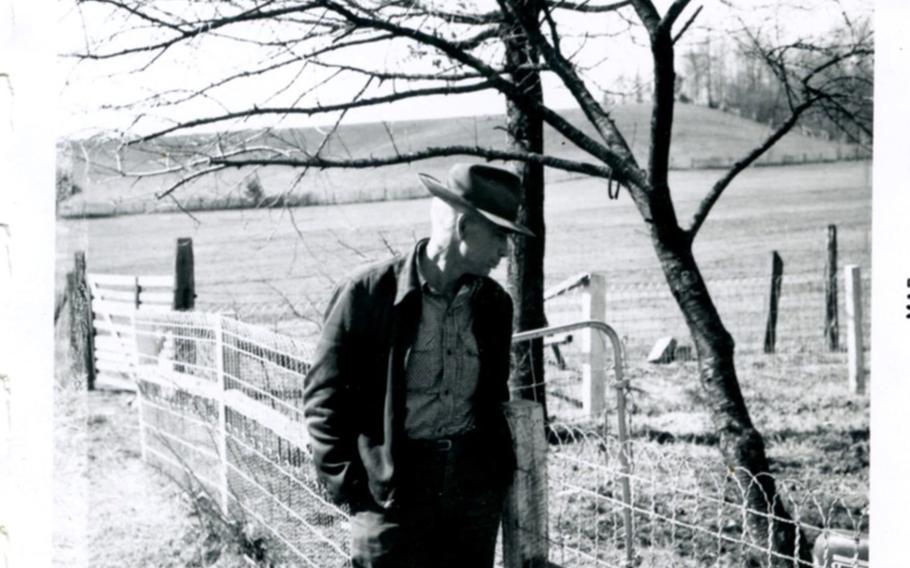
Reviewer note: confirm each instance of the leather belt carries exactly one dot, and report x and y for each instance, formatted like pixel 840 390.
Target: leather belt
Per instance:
pixel 442 444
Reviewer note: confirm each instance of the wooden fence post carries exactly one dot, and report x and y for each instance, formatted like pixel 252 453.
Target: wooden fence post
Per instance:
pixel 184 277
pixel 82 329
pixel 593 369
pixel 853 290
pixel 221 436
pixel 831 324
pixel 184 299
pixel 777 273
pixel 525 541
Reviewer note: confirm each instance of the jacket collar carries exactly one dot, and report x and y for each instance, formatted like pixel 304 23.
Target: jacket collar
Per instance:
pixel 408 277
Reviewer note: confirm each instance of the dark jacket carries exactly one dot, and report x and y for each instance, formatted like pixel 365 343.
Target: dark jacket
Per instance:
pixel 354 394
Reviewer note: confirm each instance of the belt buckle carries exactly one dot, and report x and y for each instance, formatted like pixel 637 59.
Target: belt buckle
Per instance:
pixel 444 444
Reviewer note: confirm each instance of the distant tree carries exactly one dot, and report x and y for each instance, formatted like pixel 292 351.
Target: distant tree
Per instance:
pixel 457 48
pixel 254 191
pixel 743 69
pixel 66 187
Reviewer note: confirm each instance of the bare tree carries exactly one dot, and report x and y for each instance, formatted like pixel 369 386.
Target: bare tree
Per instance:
pixel 458 48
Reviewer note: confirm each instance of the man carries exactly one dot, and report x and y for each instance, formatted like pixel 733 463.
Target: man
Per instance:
pixel 403 401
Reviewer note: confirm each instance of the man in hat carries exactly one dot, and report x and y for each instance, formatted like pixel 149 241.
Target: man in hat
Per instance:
pixel 404 399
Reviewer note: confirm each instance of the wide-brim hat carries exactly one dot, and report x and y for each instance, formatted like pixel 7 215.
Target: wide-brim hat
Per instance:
pixel 492 192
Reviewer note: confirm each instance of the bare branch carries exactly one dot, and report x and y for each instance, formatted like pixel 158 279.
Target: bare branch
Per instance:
pixel 208 25
pixel 617 153
pixel 687 24
pixel 186 180
pixel 672 14
pixel 579 138
pixel 184 210
pixel 321 109
pixel 423 154
pixel 589 8
pixel 418 8
pixel 704 208
pixel 386 76
pixel 647 14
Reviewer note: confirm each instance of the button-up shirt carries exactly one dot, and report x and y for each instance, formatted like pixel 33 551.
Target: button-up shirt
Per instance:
pixel 442 366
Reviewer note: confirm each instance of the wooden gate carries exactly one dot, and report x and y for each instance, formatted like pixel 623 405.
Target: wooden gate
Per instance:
pixel 115 299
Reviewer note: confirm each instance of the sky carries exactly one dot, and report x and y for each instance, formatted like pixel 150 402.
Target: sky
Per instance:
pixel 87 85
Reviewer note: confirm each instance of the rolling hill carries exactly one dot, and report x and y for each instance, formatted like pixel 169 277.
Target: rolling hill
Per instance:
pixel 702 138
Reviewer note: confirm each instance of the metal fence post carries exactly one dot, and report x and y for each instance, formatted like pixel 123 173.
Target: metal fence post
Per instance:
pixel 853 289
pixel 222 410
pixel 593 369
pixel 525 541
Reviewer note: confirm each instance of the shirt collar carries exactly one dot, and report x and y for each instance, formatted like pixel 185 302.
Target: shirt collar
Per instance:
pixel 414 279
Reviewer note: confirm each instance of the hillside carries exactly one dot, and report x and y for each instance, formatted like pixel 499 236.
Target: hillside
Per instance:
pixel 702 138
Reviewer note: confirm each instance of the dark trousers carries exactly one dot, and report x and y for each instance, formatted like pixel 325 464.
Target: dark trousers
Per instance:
pixel 447 514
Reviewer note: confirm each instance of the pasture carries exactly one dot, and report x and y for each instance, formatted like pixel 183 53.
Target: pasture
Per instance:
pixel 268 264
pixel 277 267
pixel 702 137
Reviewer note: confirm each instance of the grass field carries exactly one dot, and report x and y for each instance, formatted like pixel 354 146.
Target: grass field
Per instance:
pixel 262 262
pixel 702 137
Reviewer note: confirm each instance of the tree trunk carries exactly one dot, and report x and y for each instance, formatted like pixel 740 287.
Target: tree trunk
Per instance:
pixel 740 443
pixel 524 126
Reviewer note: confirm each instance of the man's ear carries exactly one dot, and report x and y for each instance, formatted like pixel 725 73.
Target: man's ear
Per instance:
pixel 462 224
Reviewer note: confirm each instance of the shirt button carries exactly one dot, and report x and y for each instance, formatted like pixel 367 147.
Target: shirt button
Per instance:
pixel 449 352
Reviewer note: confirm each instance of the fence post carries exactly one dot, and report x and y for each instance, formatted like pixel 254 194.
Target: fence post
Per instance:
pixel 222 411
pixel 524 523
pixel 831 324
pixel 82 329
pixel 853 289
pixel 777 273
pixel 184 277
pixel 593 369
pixel 184 299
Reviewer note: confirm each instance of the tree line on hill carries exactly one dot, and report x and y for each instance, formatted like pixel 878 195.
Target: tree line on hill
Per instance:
pixel 739 73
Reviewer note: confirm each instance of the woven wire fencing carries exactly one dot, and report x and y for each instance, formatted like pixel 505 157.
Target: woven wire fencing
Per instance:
pixel 686 511
pixel 642 313
pixel 688 508
pixel 221 411
pixel 646 311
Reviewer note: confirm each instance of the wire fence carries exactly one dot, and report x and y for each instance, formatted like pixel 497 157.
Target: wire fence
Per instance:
pixel 220 408
pixel 644 312
pixel 687 510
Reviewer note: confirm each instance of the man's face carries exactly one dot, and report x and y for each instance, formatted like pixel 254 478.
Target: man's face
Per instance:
pixel 483 244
